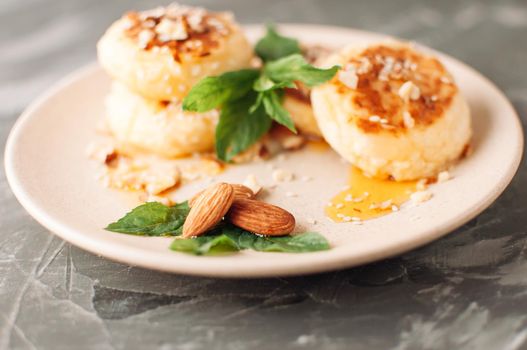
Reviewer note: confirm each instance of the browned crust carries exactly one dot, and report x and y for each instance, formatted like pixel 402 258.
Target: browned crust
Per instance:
pixel 377 92
pixel 213 28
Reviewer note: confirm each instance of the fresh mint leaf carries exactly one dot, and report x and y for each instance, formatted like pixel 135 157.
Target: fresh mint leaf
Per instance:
pixel 273 107
pixel 205 245
pixel 212 92
pixel 239 128
pixel 300 243
pixel 152 219
pixel 295 68
pixel 229 238
pixel 274 46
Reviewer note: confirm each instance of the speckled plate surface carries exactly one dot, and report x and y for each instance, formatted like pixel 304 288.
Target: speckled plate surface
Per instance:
pixel 51 177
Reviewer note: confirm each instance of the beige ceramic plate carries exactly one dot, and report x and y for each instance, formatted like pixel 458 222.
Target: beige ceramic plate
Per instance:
pixel 53 180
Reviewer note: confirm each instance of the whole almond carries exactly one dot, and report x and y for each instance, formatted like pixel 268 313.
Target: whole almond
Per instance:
pixel 240 191
pixel 208 209
pixel 260 217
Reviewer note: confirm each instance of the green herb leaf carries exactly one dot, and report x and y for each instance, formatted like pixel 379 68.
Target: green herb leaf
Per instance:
pixel 205 245
pixel 212 92
pixel 152 219
pixel 239 128
pixel 274 46
pixel 229 238
pixel 300 243
pixel 295 68
pixel 273 107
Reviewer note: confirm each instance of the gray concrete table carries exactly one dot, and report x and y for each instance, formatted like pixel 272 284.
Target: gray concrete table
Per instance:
pixel 465 291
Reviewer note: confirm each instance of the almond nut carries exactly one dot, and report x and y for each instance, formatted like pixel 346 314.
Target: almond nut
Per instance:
pixel 240 191
pixel 208 209
pixel 260 217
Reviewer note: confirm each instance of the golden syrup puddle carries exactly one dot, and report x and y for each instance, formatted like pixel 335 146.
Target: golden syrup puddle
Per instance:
pixel 367 198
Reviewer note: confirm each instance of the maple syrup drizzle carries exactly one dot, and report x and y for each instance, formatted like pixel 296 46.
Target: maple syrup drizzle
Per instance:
pixel 367 198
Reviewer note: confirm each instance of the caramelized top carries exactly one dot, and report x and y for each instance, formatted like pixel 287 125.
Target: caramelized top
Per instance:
pixel 181 29
pixel 395 88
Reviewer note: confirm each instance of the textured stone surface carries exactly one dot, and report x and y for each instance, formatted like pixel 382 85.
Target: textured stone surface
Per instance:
pixel 466 291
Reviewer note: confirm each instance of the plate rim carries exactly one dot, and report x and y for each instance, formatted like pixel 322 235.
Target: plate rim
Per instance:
pixel 337 261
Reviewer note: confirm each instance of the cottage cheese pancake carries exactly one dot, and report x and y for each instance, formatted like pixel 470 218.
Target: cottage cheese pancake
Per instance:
pixel 392 111
pixel 159 127
pixel 162 53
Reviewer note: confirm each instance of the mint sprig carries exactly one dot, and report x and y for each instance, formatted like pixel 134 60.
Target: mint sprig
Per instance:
pixel 251 99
